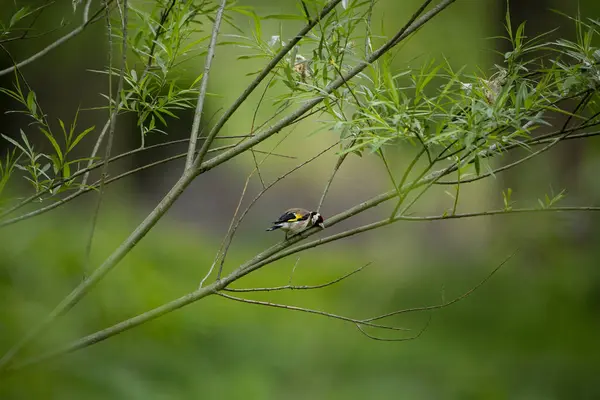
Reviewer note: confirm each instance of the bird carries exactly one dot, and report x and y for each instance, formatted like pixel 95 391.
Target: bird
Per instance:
pixel 296 220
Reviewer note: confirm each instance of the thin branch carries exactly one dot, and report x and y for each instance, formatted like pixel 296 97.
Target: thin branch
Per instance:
pixel 222 252
pixel 113 121
pixel 448 303
pixel 92 167
pixel 204 86
pixel 311 311
pixel 254 115
pixel 336 167
pixel 86 11
pixel 457 193
pixel 56 43
pixel 259 262
pixel 299 287
pixel 227 236
pixel 94 186
pixel 159 31
pixel 402 195
pixel 418 335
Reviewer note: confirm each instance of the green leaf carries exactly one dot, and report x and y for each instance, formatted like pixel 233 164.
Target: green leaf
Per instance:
pixel 285 17
pixel 79 137
pixel 62 127
pixel 54 144
pixel 19 15
pixel 31 104
pixel 15 143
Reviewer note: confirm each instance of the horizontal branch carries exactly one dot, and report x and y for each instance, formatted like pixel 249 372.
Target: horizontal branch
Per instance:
pixel 95 185
pixel 97 165
pixel 387 221
pixel 311 311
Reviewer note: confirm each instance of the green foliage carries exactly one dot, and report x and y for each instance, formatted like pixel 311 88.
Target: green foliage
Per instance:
pixel 46 171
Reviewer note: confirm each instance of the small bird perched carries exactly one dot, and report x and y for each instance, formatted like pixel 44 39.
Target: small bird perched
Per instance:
pixel 295 220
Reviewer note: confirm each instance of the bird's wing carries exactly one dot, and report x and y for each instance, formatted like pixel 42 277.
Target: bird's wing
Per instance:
pixel 290 216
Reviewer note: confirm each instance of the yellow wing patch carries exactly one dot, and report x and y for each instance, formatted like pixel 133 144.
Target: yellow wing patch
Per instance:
pixel 298 218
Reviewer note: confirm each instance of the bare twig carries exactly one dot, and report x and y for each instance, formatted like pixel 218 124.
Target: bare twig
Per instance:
pixel 299 287
pixel 311 311
pixel 203 86
pixel 113 121
pixel 448 303
pixel 86 11
pixel 416 336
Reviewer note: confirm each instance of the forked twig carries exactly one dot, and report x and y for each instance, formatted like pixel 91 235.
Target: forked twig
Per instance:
pixel 311 311
pixel 298 287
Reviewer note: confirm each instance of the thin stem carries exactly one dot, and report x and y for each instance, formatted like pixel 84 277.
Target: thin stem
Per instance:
pixel 56 43
pixel 86 11
pixel 456 196
pixel 311 311
pixel 113 122
pixel 405 176
pixel 299 287
pixel 203 86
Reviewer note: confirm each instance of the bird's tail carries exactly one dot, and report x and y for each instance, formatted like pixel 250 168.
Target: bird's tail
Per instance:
pixel 274 227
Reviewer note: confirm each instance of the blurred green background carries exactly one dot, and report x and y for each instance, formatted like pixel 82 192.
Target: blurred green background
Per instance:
pixel 529 333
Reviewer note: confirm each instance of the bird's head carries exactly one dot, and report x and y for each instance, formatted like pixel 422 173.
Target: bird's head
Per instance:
pixel 317 219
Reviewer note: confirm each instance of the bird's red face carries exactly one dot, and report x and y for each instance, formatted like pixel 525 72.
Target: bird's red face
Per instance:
pixel 318 220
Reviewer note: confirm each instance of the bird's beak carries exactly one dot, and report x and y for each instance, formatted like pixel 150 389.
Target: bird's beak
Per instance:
pixel 321 225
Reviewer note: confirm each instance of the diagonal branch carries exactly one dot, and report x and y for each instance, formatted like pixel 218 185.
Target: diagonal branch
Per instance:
pixel 204 85
pixel 58 42
pixel 311 311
